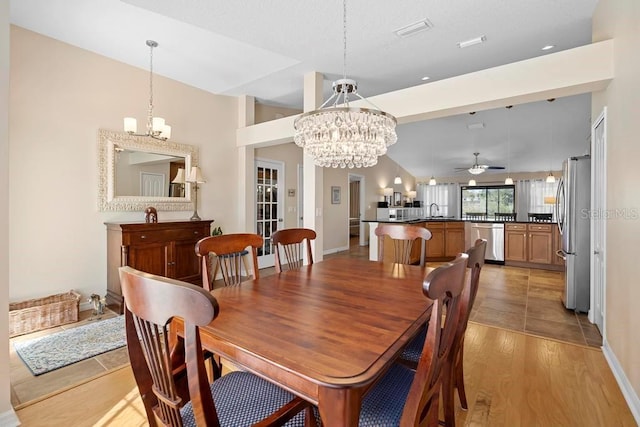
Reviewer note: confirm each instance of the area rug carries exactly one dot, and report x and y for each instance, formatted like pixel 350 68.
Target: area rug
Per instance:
pixel 45 354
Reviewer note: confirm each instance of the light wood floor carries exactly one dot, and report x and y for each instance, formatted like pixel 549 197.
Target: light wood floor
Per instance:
pixel 512 379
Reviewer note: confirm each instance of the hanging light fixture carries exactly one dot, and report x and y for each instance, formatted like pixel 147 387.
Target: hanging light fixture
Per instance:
pixel 156 127
pixel 509 180
pixel 550 178
pixel 397 180
pixel 472 182
pixel 345 136
pixel 432 180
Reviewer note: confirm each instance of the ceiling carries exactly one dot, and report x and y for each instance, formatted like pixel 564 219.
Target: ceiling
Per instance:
pixel 263 48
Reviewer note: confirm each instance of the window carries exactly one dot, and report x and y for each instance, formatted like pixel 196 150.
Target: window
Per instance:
pixel 443 195
pixel 483 202
pixel 542 196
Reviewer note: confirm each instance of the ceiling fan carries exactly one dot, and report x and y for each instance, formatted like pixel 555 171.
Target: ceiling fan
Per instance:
pixel 477 169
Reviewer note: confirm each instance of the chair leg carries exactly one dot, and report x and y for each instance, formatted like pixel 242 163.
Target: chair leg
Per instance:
pixel 448 394
pixel 459 377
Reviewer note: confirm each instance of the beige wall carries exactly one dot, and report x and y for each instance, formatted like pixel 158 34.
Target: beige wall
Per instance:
pixel 265 113
pixel 5 401
pixel 620 19
pixel 60 96
pixel 335 216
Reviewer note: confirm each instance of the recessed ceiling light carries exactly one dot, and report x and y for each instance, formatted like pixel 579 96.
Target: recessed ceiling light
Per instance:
pixel 425 78
pixel 471 42
pixel 549 46
pixel 472 126
pixel 411 29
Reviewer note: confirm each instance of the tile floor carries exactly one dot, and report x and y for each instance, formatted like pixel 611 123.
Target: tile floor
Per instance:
pixel 520 299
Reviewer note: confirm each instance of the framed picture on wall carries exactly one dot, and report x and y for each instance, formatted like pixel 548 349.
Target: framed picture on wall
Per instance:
pixel 397 198
pixel 335 195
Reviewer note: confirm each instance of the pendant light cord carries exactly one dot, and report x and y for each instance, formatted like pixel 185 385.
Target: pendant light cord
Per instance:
pixel 150 116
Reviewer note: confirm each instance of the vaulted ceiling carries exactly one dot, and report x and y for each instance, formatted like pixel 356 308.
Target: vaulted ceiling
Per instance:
pixel 263 48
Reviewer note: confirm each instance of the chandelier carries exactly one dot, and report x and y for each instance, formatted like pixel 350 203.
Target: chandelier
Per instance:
pixel 156 127
pixel 344 136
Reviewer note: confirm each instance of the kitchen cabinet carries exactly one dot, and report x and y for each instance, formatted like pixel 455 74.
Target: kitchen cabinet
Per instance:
pixel 531 245
pixel 453 238
pixel 435 245
pixel 163 248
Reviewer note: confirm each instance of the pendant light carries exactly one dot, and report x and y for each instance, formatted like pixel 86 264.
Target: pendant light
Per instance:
pixel 472 182
pixel 432 180
pixel 156 127
pixel 509 180
pixel 550 178
pixel 344 136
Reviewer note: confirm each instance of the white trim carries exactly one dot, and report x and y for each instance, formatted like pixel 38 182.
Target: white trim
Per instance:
pixel 9 419
pixel 625 386
pixel 335 250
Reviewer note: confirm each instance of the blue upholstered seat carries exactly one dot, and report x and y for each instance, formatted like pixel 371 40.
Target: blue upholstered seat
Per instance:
pixel 382 406
pixel 243 399
pixel 413 350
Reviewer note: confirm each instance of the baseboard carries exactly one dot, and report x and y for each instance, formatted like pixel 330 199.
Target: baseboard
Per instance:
pixel 625 386
pixel 9 419
pixel 335 250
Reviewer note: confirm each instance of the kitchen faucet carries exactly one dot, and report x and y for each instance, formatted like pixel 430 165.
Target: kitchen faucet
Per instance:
pixel 431 210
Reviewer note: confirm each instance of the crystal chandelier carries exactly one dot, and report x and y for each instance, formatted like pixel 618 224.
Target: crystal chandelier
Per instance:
pixel 156 127
pixel 345 136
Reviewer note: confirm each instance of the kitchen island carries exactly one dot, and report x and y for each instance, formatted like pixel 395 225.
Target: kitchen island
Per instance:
pixel 447 238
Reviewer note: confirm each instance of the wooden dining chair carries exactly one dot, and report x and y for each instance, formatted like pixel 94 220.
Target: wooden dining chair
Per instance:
pixel 403 237
pixel 411 354
pixel 290 241
pixel 241 398
pixel 230 251
pixel 403 397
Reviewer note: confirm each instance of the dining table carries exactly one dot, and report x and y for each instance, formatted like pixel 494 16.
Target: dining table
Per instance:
pixel 325 332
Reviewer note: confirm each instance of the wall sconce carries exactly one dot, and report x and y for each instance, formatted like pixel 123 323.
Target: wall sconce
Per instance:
pixel 195 177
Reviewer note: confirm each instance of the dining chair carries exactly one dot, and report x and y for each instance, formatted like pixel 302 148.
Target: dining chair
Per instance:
pixel 230 251
pixel 290 241
pixel 403 397
pixel 403 237
pixel 241 398
pixel 411 354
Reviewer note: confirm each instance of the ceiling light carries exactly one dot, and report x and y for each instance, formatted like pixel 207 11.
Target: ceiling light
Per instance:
pixel 414 28
pixel 345 136
pixel 432 181
pixel 472 182
pixel 471 42
pixel 425 78
pixel 156 127
pixel 508 181
pixel 548 47
pixel 397 180
pixel 474 126
pixel 550 178
pixel 476 170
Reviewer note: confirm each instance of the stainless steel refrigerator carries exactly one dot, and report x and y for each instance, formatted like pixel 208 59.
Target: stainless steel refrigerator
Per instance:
pixel 572 216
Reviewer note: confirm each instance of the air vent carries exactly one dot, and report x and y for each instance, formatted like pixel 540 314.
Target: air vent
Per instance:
pixel 471 42
pixel 414 28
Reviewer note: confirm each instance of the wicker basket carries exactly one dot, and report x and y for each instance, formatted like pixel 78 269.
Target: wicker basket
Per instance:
pixel 42 313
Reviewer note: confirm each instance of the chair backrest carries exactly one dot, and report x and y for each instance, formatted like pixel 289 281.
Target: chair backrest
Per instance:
pixel 290 241
pixel 152 302
pixel 229 250
pixel 476 254
pixel 403 236
pixel 444 286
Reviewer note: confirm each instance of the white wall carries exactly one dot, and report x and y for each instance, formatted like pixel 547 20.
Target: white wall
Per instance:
pixel 6 412
pixel 620 19
pixel 60 96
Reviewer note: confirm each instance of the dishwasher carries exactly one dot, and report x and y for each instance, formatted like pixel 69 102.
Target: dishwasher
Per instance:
pixel 493 233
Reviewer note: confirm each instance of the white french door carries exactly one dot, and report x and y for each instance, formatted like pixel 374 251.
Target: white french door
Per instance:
pixel 269 206
pixel 598 229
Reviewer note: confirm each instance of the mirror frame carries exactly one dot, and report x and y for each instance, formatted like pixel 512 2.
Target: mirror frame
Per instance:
pixel 108 201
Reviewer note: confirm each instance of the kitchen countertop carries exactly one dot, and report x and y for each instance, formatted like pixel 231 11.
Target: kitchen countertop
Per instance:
pixel 449 219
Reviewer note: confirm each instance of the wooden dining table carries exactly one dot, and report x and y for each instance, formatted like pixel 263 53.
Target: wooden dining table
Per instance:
pixel 325 332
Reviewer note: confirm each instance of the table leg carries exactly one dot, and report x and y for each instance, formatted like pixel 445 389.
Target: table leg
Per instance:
pixel 339 407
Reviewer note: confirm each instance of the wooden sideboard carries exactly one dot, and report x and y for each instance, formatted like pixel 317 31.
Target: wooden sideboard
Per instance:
pixel 162 248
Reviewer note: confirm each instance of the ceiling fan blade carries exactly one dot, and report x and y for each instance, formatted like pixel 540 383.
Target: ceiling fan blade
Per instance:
pixel 495 167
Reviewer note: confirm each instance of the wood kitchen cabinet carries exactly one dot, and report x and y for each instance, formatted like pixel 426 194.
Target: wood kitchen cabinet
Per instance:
pixel 435 245
pixel 163 248
pixel 453 238
pixel 531 245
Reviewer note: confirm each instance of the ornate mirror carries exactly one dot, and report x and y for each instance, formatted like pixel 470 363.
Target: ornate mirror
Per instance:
pixel 137 172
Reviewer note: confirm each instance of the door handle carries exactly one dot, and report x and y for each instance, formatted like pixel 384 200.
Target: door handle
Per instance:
pixel 561 255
